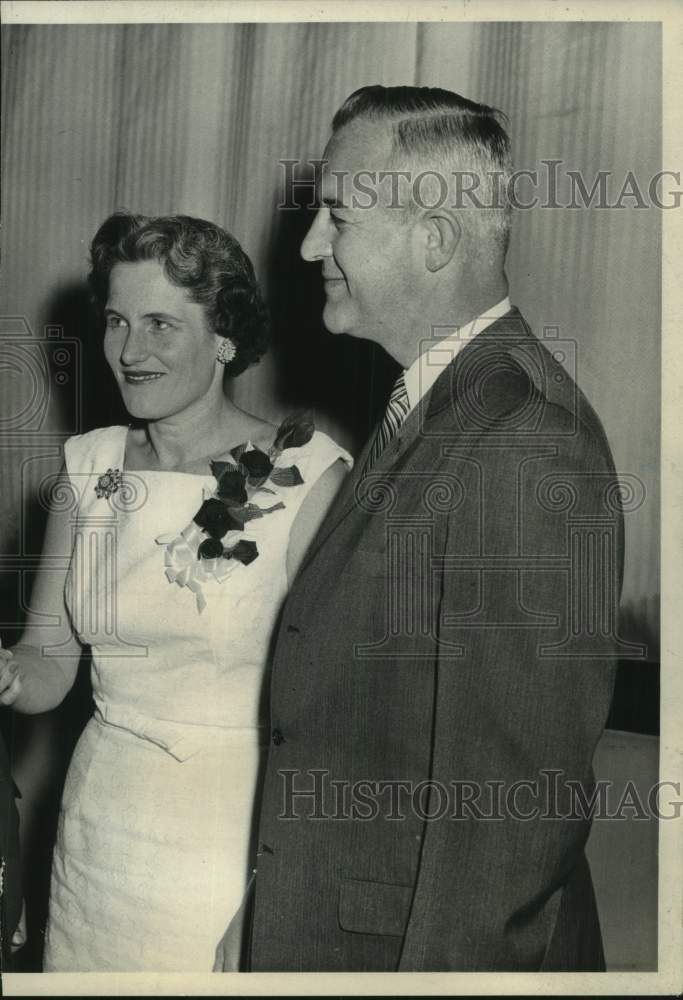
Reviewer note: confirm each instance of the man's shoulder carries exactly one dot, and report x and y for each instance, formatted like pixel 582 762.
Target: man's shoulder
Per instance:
pixel 508 381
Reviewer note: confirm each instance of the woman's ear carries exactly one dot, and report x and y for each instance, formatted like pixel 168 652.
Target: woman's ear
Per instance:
pixel 443 233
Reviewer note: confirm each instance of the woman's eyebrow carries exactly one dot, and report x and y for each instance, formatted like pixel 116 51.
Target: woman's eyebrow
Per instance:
pixel 156 313
pixel 152 314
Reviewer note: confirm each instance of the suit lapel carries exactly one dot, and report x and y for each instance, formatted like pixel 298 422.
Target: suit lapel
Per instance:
pixel 429 408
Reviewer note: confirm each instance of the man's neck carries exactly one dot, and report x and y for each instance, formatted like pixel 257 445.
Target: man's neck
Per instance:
pixel 440 322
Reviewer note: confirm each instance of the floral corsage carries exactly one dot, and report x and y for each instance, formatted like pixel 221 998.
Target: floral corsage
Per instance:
pixel 213 544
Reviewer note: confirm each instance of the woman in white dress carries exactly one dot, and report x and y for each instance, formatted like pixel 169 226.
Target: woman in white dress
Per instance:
pixel 183 531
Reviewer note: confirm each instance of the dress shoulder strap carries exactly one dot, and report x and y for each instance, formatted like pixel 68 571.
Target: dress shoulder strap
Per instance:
pixel 316 457
pixel 96 451
pixel 312 460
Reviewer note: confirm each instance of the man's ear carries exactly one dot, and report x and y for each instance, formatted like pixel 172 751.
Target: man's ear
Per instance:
pixel 443 234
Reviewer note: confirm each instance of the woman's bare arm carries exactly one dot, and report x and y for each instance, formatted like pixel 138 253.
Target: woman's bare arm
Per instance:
pixel 312 513
pixel 35 675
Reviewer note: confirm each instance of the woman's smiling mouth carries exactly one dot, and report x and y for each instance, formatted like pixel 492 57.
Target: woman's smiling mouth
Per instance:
pixel 136 378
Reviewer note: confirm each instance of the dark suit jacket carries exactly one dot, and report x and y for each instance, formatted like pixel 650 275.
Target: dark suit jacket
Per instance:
pixel 451 633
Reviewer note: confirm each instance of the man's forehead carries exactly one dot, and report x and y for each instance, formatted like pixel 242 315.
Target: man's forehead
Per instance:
pixel 360 145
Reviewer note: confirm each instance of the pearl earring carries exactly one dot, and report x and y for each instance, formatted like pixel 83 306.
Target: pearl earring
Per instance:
pixel 227 351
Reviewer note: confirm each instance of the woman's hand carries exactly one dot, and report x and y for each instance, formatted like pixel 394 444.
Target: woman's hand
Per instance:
pixel 10 682
pixel 19 936
pixel 229 948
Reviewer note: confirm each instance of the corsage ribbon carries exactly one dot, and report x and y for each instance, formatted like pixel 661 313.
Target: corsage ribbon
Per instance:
pixel 184 568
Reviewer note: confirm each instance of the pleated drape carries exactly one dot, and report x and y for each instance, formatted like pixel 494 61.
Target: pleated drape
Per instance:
pixel 195 119
pixel 588 95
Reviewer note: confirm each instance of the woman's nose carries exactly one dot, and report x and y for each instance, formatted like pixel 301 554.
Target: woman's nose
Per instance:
pixel 316 244
pixel 134 348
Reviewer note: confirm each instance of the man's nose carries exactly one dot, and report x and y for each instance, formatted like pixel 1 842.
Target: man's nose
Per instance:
pixel 316 244
pixel 135 347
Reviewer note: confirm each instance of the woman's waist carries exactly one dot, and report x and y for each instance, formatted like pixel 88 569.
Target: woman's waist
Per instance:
pixel 182 739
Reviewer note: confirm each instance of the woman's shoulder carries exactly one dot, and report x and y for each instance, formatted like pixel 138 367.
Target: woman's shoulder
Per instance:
pixel 324 445
pixel 100 448
pixel 312 459
pixel 308 448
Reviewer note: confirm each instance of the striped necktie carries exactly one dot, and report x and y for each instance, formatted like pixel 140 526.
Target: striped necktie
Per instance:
pixel 396 412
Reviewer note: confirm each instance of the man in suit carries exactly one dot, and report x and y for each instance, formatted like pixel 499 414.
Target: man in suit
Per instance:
pixel 445 661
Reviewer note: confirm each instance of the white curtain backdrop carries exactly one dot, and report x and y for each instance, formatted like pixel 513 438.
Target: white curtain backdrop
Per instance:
pixel 195 119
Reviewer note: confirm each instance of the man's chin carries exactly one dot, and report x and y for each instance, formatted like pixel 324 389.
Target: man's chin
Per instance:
pixel 334 320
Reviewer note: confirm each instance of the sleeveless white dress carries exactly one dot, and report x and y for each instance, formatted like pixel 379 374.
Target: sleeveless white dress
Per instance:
pixel 153 848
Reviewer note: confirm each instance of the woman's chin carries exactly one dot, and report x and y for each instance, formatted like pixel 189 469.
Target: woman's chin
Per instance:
pixel 139 410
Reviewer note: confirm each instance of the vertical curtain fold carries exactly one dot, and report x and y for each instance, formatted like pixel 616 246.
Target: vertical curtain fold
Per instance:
pixel 195 119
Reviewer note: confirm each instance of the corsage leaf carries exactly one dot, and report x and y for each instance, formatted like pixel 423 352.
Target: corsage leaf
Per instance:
pixel 218 468
pixel 231 487
pixel 276 506
pixel 289 476
pixel 245 552
pixel 257 466
pixel 245 513
pixel 294 431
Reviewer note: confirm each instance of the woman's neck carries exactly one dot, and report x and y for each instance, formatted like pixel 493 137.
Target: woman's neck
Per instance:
pixel 206 430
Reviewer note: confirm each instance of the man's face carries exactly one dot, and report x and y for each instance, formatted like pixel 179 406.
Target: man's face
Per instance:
pixel 367 254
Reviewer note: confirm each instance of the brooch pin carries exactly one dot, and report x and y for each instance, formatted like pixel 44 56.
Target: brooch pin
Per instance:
pixel 108 483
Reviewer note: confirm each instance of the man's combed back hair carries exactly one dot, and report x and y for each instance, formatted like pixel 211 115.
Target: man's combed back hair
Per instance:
pixel 198 256
pixel 438 130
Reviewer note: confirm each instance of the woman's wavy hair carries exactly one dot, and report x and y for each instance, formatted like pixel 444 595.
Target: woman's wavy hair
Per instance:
pixel 198 256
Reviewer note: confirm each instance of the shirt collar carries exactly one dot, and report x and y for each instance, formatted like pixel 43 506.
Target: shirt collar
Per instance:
pixel 424 371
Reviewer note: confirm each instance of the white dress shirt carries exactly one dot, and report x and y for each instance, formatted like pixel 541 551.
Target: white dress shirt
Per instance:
pixel 426 368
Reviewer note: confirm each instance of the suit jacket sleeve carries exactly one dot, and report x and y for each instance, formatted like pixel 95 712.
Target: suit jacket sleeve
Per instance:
pixel 488 890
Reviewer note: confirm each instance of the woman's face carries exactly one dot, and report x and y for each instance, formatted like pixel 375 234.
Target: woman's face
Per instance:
pixel 157 342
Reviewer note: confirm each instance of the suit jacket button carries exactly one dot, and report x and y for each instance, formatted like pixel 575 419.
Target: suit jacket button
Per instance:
pixel 278 738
